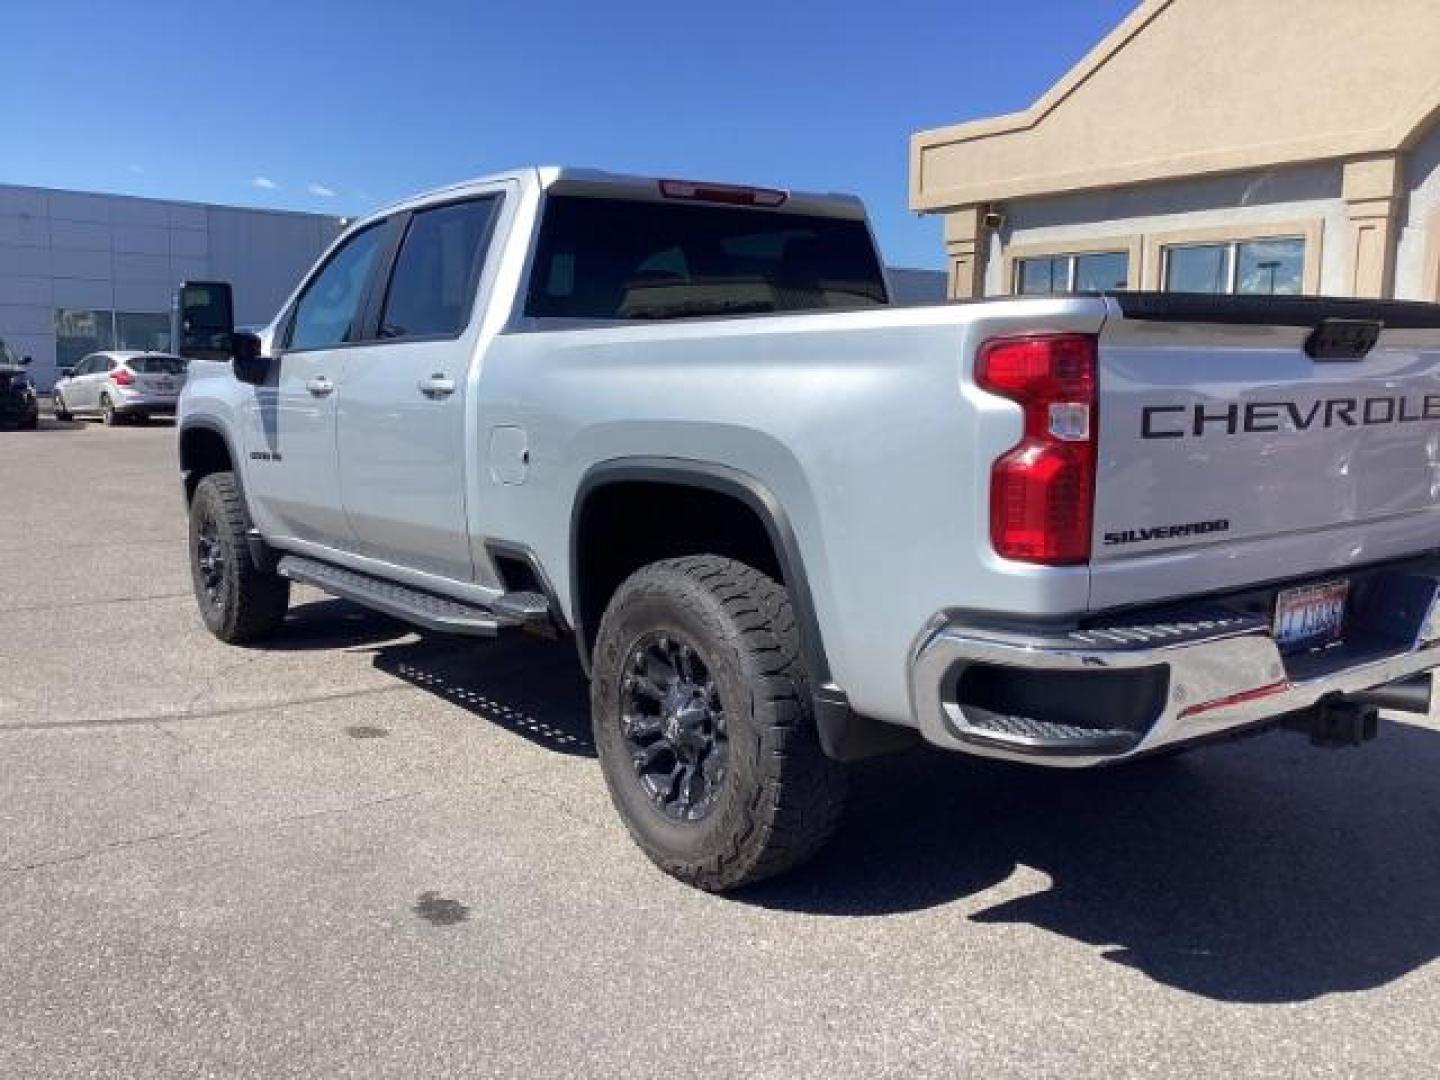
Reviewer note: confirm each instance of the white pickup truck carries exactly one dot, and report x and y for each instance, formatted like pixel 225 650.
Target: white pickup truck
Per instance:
pixel 789 524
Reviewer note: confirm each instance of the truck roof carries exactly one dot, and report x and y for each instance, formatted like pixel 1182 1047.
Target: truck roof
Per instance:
pixel 573 180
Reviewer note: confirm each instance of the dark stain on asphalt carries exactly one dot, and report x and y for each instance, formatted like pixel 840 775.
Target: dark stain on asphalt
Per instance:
pixel 366 731
pixel 439 911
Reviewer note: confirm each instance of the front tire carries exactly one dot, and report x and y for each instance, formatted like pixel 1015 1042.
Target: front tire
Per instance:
pixel 704 724
pixel 238 601
pixel 108 416
pixel 57 407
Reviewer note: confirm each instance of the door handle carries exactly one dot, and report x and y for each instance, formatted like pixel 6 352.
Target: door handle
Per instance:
pixel 438 385
pixel 319 385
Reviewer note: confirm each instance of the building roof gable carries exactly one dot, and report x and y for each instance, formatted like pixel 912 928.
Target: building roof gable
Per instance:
pixel 1185 87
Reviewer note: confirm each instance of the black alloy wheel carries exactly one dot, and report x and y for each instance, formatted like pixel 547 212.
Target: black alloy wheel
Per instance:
pixel 673 721
pixel 210 561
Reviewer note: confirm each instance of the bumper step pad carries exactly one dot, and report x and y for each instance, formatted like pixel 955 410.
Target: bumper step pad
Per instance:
pixel 1028 733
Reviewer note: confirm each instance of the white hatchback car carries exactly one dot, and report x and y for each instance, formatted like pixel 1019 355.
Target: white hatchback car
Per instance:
pixel 120 384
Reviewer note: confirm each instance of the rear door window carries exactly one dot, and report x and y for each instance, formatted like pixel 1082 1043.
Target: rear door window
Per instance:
pixel 432 288
pixel 626 259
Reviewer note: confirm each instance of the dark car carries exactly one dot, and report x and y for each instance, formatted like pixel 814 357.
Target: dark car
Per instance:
pixel 19 406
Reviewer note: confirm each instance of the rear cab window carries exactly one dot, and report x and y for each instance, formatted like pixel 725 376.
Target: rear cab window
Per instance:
pixel 606 258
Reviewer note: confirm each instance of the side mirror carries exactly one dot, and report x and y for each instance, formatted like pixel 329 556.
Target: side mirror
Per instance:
pixel 26 361
pixel 249 366
pixel 65 372
pixel 202 320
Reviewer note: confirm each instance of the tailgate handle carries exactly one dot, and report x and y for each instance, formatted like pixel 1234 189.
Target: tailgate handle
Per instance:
pixel 1343 339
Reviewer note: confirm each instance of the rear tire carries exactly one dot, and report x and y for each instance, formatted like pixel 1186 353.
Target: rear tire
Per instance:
pixel 108 415
pixel 238 601
pixel 698 674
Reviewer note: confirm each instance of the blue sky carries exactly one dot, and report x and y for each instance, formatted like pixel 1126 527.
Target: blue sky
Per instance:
pixel 343 106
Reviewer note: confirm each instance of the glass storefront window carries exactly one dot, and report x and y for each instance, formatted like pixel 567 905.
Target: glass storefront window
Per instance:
pixel 1092 271
pixel 1271 267
pixel 1101 270
pixel 142 330
pixel 1038 277
pixel 80 331
pixel 1252 267
pixel 1198 268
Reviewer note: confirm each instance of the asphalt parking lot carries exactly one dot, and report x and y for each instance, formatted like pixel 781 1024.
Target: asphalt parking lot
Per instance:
pixel 363 852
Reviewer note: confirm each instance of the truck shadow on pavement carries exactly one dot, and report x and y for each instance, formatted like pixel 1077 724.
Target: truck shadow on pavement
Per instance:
pixel 1262 871
pixel 528 686
pixel 534 689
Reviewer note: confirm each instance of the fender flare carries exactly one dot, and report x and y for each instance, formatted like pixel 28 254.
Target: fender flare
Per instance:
pixel 722 480
pixel 260 552
pixel 844 735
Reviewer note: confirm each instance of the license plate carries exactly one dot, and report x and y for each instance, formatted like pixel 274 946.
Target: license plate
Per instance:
pixel 1310 616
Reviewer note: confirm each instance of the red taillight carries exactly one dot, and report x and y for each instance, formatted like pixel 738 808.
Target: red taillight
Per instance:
pixel 121 377
pixel 731 194
pixel 1042 492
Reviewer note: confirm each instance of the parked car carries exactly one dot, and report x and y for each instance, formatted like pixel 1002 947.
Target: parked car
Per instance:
pixel 19 405
pixel 789 524
pixel 119 385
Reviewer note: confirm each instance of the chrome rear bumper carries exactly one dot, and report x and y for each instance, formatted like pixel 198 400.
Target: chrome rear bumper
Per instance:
pixel 1208 671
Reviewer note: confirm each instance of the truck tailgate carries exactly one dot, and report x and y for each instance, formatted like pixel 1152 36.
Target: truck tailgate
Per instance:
pixel 1228 455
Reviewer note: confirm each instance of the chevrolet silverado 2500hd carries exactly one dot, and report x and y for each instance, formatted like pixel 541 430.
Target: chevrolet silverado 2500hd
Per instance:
pixel 788 524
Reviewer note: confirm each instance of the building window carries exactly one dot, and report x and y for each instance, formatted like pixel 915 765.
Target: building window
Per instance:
pixel 142 330
pixel 79 332
pixel 1091 271
pixel 1271 267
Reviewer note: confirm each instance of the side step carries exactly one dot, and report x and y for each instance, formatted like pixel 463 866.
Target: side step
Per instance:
pixel 415 605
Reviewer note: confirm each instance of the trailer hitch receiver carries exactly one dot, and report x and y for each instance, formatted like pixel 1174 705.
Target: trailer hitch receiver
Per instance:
pixel 1336 722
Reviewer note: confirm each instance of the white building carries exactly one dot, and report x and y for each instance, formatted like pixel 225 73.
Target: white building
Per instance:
pixel 80 272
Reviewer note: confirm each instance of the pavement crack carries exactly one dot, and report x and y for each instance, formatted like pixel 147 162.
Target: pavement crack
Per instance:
pixel 113 845
pixel 515 783
pixel 213 714
pixel 184 835
pixel 208 686
pixel 51 605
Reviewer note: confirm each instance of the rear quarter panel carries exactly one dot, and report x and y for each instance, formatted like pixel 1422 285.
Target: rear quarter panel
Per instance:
pixel 863 426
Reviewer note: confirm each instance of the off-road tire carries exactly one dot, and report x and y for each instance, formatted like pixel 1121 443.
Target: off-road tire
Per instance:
pixel 247 604
pixel 58 409
pixel 780 797
pixel 108 416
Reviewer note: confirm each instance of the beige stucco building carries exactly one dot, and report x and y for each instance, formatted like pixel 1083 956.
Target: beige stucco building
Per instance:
pixel 1209 145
